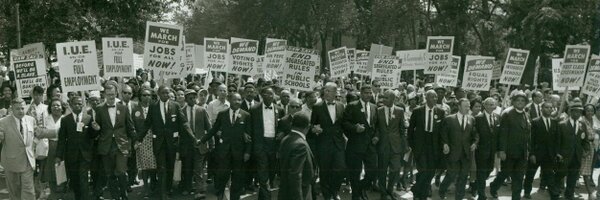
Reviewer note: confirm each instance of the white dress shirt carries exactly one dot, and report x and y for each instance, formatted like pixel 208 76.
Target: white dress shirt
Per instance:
pixel 162 109
pixel 462 119
pixel 428 119
pixel 268 121
pixel 367 111
pixel 112 114
pixel 331 109
pixel 214 108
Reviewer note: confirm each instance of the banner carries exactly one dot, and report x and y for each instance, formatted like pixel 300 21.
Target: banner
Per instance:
pixel 260 67
pixel 572 70
pixel 274 55
pixel 412 59
pixel 362 59
pixel 243 56
pixel 376 49
pixel 450 79
pixel 516 59
pixel 300 68
pixel 385 70
pixel 163 49
pixel 190 60
pixel 351 53
pixel 117 56
pixel 28 52
pixel 439 54
pixel 556 68
pixel 592 80
pixel 478 73
pixel 497 71
pixel 339 64
pixel 29 64
pixel 216 53
pixel 78 66
pixel 199 57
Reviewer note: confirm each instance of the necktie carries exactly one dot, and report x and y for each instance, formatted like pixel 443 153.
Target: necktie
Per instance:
pixel 367 114
pixel 191 110
pixel 233 117
pixel 165 115
pixel 430 124
pixel 464 122
pixel 387 118
pixel 21 125
pixel 547 125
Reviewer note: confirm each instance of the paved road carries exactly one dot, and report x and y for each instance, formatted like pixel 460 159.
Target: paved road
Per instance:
pixel 504 193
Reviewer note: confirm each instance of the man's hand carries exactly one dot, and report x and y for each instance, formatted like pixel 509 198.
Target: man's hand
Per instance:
pixel 198 142
pixel 446 149
pixel 360 128
pixel 502 155
pixel 137 145
pixel 559 157
pixel 247 138
pixel 532 159
pixel 95 126
pixel 57 160
pixel 37 130
pixel 473 147
pixel 219 133
pixel 375 140
pixel 317 129
pixel 246 157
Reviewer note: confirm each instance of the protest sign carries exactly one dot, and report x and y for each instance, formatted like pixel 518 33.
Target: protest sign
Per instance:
pixel 216 53
pixel 362 59
pixel 199 57
pixel 78 66
pixel 190 60
pixel 117 56
pixel 556 68
pixel 439 54
pixel 351 53
pixel 450 79
pixel 138 61
pixel 260 67
pixel 339 64
pixel 376 49
pixel 516 59
pixel 478 73
pixel 28 52
pixel 592 80
pixel 243 56
pixel 274 55
pixel 497 71
pixel 163 49
pixel 412 59
pixel 572 70
pixel 300 68
pixel 385 70
pixel 28 74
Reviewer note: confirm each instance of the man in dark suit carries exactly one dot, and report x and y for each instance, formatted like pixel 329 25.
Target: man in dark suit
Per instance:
pixel 114 145
pixel 423 138
pixel 535 108
pixel 284 126
pixel 284 100
pixel 127 95
pixel 544 131
pixel 391 128
pixel 359 126
pixel 572 139
pixel 264 118
pixel 249 96
pixel 167 123
pixel 194 156
pixel 326 119
pixel 75 138
pixel 459 139
pixel 230 131
pixel 514 145
pixel 486 125
pixel 298 168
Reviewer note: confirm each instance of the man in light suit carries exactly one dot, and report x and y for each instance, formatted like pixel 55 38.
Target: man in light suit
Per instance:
pixel 16 136
pixel 391 128
pixel 194 155
pixel 298 167
pixel 459 139
pixel 359 125
pixel 115 128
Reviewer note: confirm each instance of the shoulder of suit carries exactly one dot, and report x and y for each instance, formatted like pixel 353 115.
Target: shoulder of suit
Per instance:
pixel 242 112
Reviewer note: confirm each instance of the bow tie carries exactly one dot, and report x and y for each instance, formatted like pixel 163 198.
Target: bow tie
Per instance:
pixel 331 104
pixel 268 107
pixel 111 106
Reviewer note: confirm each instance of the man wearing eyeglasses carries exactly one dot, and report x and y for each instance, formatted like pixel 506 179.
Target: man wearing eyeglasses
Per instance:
pixel 127 94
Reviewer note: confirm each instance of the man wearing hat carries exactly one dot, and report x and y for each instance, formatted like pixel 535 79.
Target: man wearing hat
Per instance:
pixel 572 139
pixel 192 156
pixel 514 144
pixel 441 93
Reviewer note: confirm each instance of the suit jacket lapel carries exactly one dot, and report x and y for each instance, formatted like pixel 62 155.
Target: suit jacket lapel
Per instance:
pixel 338 111
pixel 326 110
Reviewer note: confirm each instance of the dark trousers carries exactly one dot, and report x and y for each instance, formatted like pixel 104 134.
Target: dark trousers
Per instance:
pixel 485 166
pixel 570 169
pixel 546 176
pixel 187 168
pixel 389 165
pixel 332 164
pixel 355 162
pixel 515 168
pixel 266 162
pixel 230 164
pixel 77 174
pixel 165 161
pixel 456 170
pixel 115 167
pixel 132 170
pixel 98 175
pixel 426 167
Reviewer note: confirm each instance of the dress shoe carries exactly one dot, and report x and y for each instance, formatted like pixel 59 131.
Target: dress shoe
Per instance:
pixel 527 196
pixel 442 195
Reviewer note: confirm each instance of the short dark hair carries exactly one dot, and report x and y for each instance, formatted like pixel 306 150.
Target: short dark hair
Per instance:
pixel 50 89
pixel 61 106
pixel 37 90
pixel 366 87
pixel 110 87
pixel 300 120
pixel 475 101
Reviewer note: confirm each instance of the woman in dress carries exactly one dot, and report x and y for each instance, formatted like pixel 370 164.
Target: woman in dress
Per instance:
pixel 144 156
pixel 49 130
pixel 588 156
